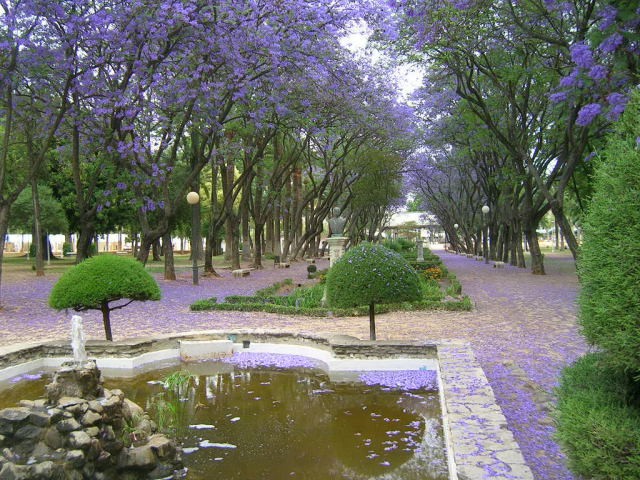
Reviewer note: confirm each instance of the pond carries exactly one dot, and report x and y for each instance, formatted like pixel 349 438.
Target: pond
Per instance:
pixel 238 420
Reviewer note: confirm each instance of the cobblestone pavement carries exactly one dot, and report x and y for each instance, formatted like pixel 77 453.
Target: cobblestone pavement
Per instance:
pixel 523 330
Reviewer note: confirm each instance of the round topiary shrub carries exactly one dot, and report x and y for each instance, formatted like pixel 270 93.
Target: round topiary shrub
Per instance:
pixel 98 281
pixel 368 274
pixel 608 263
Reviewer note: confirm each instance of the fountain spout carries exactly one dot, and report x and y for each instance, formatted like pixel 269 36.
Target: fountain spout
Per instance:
pixel 78 340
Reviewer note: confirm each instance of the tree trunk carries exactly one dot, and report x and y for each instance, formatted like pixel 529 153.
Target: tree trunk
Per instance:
pixel 257 257
pixel 85 238
pixel 169 264
pixel 4 227
pixel 372 322
pixel 537 259
pixel 106 320
pixel 155 249
pixel 37 227
pixel 244 218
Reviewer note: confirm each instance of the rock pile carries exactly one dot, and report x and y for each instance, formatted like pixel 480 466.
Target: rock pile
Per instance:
pixel 83 431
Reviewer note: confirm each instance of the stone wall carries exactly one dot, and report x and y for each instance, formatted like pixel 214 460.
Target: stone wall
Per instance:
pixel 81 431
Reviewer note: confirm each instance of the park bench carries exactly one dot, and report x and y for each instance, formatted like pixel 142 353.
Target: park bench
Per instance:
pixel 241 272
pixel 498 264
pixel 282 265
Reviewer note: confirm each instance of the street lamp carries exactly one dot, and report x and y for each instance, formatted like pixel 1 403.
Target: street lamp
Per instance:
pixel 193 199
pixel 485 240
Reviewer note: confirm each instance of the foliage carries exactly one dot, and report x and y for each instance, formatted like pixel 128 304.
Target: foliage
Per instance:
pixel 369 273
pixel 52 216
pixel 432 273
pixel 98 281
pixel 275 288
pixel 173 406
pixel 608 265
pixel 400 245
pixel 597 426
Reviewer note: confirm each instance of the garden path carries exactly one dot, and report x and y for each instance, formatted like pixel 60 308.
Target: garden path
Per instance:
pixel 523 329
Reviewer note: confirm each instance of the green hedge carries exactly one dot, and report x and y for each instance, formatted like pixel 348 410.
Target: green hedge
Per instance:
pixel 254 304
pixel 598 428
pixel 610 257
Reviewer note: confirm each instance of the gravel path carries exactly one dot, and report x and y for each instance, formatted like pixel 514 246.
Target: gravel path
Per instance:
pixel 523 330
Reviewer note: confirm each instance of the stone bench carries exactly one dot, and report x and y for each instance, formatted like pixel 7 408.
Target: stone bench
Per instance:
pixel 241 272
pixel 282 265
pixel 498 264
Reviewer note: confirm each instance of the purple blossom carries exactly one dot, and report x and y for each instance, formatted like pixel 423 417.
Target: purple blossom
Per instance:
pixel 617 103
pixel 611 43
pixel 607 17
pixel 402 379
pixel 588 113
pixel 581 55
pixel 558 97
pixel 255 359
pixel 570 80
pixel 598 72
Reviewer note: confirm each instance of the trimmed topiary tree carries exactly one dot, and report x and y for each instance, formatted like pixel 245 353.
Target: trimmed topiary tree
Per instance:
pixel 368 274
pixel 98 281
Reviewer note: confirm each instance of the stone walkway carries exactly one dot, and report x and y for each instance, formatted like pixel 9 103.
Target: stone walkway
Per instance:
pixel 523 330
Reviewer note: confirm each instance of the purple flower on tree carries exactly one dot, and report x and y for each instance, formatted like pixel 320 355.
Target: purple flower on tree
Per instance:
pixel 588 113
pixel 611 43
pixel 598 72
pixel 581 55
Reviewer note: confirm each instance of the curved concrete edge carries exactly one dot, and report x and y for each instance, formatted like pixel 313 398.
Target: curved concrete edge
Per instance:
pixel 481 445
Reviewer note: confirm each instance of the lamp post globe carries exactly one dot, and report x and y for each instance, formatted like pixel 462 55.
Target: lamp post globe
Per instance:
pixel 193 199
pixel 485 240
pixel 455 225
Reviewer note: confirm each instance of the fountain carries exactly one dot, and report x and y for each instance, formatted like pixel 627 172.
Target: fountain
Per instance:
pixel 78 340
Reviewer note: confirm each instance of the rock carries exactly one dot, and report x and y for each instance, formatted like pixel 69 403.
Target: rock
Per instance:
pixel 162 446
pixel 137 457
pixel 75 458
pixel 53 438
pixel 68 425
pixel 103 461
pixel 90 418
pixel 15 415
pixel 11 471
pixel 28 432
pixel 73 381
pixel 79 440
pixel 45 471
pixel 92 431
pixel 41 450
pixel 131 410
pixel 56 414
pixel 40 419
pixel 95 406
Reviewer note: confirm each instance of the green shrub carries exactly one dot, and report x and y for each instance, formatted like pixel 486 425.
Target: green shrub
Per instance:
pixel 598 429
pixel 67 248
pixel 98 281
pixel 368 274
pixel 608 264
pixel 275 288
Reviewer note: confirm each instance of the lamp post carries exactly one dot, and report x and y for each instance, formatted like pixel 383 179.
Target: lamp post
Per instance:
pixel 193 199
pixel 485 239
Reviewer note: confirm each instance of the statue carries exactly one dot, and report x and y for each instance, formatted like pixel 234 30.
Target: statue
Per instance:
pixel 336 223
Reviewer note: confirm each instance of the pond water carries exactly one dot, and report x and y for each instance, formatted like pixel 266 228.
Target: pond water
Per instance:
pixel 264 422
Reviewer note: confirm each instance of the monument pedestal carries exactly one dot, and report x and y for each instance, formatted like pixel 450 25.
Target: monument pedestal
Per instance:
pixel 420 247
pixel 336 248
